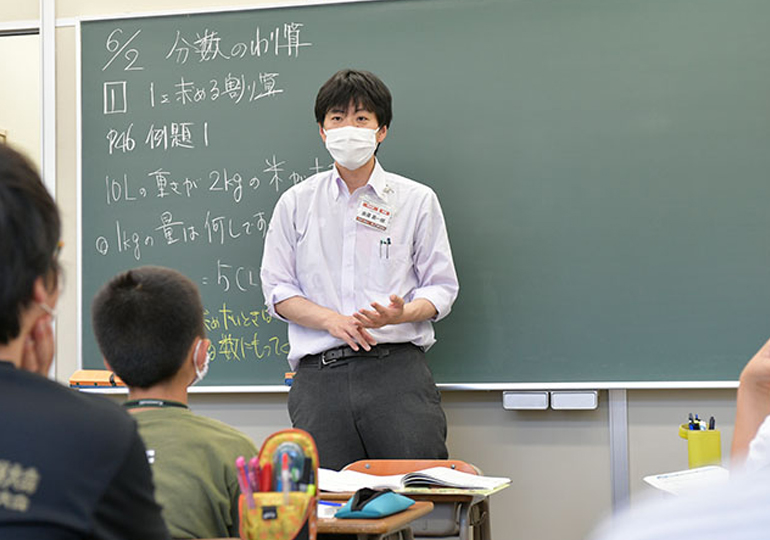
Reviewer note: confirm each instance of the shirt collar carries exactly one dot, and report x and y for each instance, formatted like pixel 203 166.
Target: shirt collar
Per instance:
pixel 336 184
pixel 377 183
pixel 154 403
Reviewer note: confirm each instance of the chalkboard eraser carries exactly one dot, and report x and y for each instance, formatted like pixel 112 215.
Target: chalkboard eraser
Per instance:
pixel 534 400
pixel 575 400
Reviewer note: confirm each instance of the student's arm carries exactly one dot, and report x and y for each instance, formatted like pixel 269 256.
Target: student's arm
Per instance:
pixel 127 510
pixel 753 404
pixel 302 311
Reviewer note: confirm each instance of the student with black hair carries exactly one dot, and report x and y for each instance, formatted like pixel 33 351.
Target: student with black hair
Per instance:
pixel 357 260
pixel 72 466
pixel 148 323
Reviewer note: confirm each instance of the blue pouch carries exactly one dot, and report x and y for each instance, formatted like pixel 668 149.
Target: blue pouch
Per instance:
pixel 372 504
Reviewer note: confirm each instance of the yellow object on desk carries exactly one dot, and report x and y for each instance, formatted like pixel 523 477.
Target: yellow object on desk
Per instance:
pixel 704 446
pixel 95 378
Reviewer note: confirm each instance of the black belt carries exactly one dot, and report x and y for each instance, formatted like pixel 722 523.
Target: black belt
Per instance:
pixel 339 356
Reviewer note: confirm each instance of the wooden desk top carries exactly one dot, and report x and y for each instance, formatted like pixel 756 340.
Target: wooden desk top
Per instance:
pixel 384 525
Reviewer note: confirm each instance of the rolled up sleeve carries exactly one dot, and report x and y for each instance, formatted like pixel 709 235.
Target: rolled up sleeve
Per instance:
pixel 278 271
pixel 433 263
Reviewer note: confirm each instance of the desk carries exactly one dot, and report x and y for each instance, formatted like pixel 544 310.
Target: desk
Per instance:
pixel 473 504
pixel 376 529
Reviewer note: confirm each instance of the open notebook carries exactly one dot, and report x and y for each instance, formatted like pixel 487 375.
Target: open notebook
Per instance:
pixel 338 481
pixel 689 480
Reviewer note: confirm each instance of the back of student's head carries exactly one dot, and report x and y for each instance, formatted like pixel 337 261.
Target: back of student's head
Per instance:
pixel 145 321
pixel 362 88
pixel 29 237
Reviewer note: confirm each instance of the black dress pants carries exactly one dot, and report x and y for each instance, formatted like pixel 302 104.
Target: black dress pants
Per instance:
pixel 370 407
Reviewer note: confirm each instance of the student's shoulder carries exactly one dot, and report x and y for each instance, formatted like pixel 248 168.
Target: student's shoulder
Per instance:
pixel 80 413
pixel 706 514
pixel 221 432
pixel 60 397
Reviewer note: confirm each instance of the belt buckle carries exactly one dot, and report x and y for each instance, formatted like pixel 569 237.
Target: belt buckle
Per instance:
pixel 326 362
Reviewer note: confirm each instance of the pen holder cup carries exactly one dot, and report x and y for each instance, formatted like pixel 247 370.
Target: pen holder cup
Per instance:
pixel 704 447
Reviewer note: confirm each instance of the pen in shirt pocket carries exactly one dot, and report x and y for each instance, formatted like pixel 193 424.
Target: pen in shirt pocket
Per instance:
pixel 385 248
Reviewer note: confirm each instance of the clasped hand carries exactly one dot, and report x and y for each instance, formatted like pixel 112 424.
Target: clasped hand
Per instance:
pixel 353 329
pixel 381 316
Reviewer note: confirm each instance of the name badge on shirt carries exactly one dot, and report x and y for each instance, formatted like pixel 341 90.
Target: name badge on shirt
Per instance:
pixel 374 215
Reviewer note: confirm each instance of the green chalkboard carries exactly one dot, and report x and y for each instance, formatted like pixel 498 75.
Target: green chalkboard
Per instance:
pixel 603 165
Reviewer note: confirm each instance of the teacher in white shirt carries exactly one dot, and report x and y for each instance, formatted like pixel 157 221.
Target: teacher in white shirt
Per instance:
pixel 357 261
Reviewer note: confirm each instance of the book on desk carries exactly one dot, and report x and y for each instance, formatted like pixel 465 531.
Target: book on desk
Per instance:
pixel 435 477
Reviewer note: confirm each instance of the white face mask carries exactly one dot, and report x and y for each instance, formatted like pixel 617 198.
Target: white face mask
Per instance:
pixel 352 147
pixel 200 373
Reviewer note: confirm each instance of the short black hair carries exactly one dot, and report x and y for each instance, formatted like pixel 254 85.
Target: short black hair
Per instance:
pixel 362 88
pixel 145 321
pixel 30 229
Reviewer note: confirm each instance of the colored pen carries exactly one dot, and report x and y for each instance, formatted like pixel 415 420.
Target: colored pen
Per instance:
pixel 712 423
pixel 243 481
pixel 311 485
pixel 266 477
pixel 254 473
pixel 306 480
pixel 285 478
pixel 691 424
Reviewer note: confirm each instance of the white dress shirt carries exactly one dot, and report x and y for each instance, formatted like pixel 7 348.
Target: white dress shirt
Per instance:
pixel 759 448
pixel 736 510
pixel 316 249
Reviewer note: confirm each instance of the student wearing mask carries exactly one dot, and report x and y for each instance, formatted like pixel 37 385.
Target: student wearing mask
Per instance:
pixel 358 261
pixel 72 466
pixel 149 326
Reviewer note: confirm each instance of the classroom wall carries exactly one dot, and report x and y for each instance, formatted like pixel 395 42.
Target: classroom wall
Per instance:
pixel 19 102
pixel 19 10
pixel 559 460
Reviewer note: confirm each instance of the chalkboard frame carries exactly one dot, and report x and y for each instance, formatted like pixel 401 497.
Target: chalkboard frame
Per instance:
pixel 270 388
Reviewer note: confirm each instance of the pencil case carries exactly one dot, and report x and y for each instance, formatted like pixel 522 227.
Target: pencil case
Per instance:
pixel 373 504
pixel 279 514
